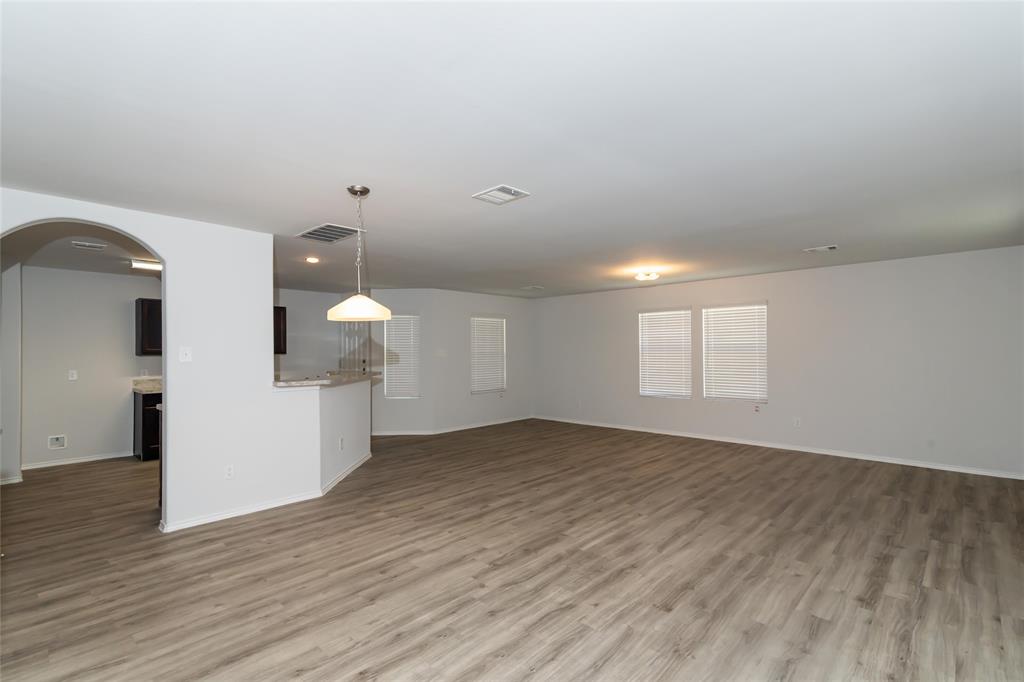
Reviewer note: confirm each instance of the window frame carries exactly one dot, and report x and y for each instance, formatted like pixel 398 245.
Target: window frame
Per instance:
pixel 639 352
pixel 704 351
pixel 504 353
pixel 419 349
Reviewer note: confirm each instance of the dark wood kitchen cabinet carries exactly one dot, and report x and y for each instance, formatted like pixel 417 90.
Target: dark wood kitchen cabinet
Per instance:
pixel 280 330
pixel 148 327
pixel 147 426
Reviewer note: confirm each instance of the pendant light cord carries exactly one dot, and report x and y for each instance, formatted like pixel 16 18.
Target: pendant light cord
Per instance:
pixel 359 245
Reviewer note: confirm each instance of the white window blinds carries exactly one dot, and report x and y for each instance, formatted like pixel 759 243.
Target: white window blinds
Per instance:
pixel 736 352
pixel 402 356
pixel 487 354
pixel 665 357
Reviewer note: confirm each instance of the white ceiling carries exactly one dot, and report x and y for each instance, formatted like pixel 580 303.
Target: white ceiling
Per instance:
pixel 50 246
pixel 712 139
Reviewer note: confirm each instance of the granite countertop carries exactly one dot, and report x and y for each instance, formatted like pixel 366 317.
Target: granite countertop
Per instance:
pixel 325 380
pixel 146 385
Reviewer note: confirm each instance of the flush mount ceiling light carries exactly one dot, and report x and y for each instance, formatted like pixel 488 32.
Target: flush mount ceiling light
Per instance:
pixel 312 259
pixel 646 276
pixel 502 194
pixel 146 265
pixel 358 308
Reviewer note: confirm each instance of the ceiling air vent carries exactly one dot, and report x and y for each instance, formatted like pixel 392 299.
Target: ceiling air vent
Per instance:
pixel 822 249
pixel 328 233
pixel 502 194
pixel 88 246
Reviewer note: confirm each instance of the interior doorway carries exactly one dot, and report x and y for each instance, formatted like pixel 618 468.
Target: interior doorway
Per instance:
pixel 82 365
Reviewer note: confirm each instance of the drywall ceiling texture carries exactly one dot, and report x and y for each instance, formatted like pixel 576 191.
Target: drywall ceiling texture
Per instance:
pixel 917 360
pixel 52 246
pixel 716 139
pixel 83 321
pixel 220 408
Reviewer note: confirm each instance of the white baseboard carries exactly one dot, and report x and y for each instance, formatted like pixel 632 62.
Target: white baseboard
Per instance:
pixel 451 429
pixel 74 460
pixel 337 479
pixel 238 511
pixel 802 448
pixel 10 479
pixel 262 506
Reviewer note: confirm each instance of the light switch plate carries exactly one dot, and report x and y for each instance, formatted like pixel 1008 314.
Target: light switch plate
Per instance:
pixel 185 354
pixel 72 375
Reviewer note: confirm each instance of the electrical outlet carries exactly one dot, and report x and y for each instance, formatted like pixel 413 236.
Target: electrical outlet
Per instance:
pixel 796 422
pixel 57 442
pixel 72 375
pixel 229 471
pixel 185 354
pixel 757 408
pixel 341 442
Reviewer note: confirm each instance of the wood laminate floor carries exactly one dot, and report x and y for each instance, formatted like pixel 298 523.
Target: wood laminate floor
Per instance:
pixel 527 550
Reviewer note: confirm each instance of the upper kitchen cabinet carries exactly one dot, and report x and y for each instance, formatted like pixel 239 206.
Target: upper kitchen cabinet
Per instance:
pixel 280 330
pixel 149 333
pixel 148 327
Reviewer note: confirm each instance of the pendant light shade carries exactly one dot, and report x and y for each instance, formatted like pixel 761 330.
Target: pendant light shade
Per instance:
pixel 357 307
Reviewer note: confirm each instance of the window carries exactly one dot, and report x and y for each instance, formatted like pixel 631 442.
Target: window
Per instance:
pixel 402 356
pixel 487 354
pixel 665 357
pixel 736 352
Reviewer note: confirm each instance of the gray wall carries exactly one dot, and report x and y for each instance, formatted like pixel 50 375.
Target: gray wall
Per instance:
pixel 313 341
pixel 83 321
pixel 446 402
pixel 917 360
pixel 10 374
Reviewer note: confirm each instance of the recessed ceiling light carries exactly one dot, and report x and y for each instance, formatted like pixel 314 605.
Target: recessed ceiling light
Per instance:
pixel 822 249
pixel 646 276
pixel 312 259
pixel 146 265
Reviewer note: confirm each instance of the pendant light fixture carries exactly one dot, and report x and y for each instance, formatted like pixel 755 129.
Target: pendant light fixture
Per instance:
pixel 357 307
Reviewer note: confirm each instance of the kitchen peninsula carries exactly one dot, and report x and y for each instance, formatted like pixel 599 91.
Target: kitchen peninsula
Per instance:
pixel 340 404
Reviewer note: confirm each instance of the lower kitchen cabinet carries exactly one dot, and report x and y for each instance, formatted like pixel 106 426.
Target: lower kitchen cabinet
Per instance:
pixel 147 426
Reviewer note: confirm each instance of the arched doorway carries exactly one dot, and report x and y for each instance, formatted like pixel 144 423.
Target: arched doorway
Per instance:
pixel 80 380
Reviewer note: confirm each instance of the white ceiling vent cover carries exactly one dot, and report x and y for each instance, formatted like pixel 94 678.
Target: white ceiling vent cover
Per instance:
pixel 328 233
pixel 88 246
pixel 502 194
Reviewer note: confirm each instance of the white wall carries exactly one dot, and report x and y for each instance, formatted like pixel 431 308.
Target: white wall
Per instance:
pixel 344 430
pixel 83 321
pixel 919 360
pixel 10 374
pixel 313 341
pixel 220 408
pixel 446 403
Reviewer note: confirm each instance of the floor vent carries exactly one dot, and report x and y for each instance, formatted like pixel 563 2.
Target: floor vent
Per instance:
pixel 328 233
pixel 502 194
